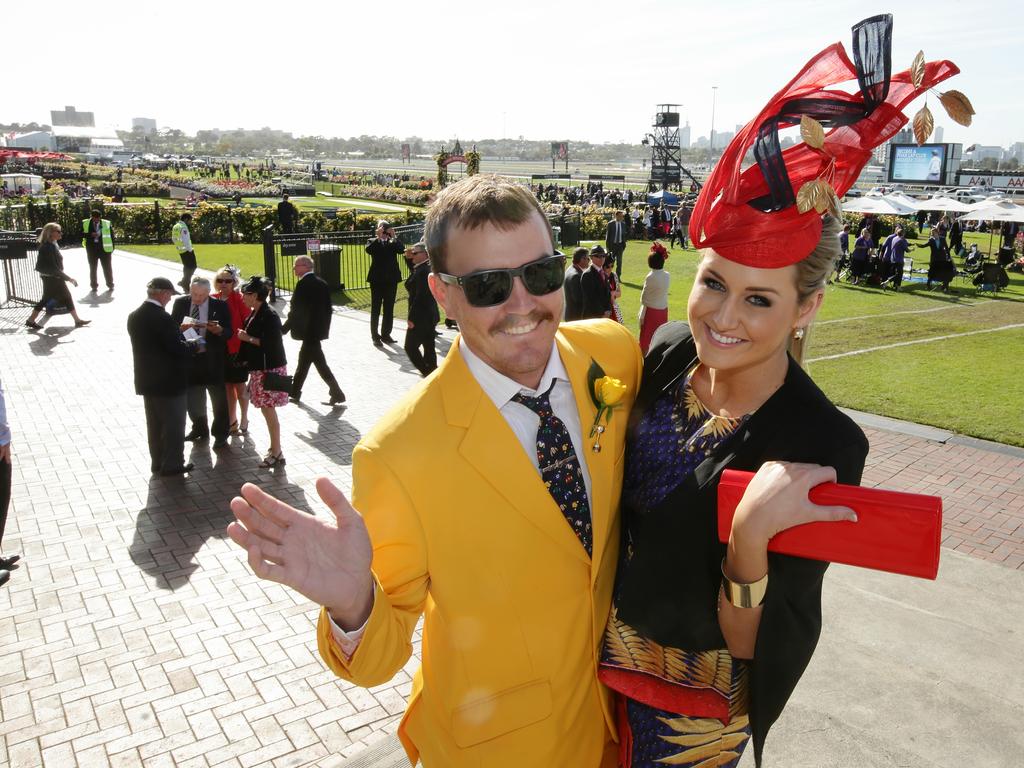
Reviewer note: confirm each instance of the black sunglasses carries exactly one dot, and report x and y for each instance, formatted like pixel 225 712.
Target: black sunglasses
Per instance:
pixel 490 287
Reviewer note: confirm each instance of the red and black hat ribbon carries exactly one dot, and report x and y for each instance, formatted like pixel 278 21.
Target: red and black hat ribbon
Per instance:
pixel 872 56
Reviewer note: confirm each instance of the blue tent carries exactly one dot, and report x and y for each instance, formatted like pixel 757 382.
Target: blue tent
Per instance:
pixel 663 196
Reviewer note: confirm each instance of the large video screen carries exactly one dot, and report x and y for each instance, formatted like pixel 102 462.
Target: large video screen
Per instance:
pixel 924 164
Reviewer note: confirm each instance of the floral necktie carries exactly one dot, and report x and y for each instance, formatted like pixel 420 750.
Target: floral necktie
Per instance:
pixel 560 467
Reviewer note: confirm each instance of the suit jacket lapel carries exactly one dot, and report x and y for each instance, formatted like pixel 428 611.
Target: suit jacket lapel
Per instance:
pixel 600 465
pixel 490 447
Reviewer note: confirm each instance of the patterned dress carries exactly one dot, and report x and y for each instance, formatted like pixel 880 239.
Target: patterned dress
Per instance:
pixel 677 707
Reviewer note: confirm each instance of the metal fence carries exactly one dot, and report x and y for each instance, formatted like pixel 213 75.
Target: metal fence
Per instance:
pixel 22 285
pixel 340 257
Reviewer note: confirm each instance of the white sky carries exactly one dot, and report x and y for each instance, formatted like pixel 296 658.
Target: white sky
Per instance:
pixel 562 69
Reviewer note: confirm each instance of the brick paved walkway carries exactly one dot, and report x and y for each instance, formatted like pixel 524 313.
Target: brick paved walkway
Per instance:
pixel 133 632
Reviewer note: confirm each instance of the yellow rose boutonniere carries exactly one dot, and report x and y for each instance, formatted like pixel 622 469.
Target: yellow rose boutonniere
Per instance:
pixel 607 394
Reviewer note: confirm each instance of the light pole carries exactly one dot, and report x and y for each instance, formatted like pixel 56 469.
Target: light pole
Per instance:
pixel 714 98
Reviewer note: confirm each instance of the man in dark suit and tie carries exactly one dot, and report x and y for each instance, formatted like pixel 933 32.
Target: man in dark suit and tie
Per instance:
pixel 597 296
pixel 615 239
pixel 208 320
pixel 161 376
pixel 572 286
pixel 423 314
pixel 383 277
pixel 309 321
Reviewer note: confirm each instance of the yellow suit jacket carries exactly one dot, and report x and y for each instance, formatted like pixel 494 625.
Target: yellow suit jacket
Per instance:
pixel 465 532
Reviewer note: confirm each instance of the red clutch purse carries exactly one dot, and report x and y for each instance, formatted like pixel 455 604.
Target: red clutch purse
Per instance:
pixel 894 532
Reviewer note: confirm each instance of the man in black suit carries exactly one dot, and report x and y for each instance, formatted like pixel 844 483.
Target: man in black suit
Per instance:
pixel 615 239
pixel 384 276
pixel 597 296
pixel 208 322
pixel 287 215
pixel 309 321
pixel 423 314
pixel 573 288
pixel 161 376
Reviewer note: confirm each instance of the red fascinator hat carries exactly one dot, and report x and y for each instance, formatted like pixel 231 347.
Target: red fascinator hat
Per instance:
pixel 769 215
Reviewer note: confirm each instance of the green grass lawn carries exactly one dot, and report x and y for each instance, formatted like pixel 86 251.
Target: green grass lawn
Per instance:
pixel 967 384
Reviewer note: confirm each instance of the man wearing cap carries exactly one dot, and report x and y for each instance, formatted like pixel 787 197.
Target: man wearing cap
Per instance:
pixel 182 238
pixel 384 276
pixel 309 321
pixel 98 239
pixel 161 358
pixel 423 314
pixel 597 296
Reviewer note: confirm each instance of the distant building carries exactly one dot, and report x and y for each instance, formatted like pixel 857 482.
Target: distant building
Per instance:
pixel 37 140
pixel 978 152
pixel 684 136
pixel 99 141
pixel 70 116
pixel 937 137
pixel 701 143
pixel 1016 151
pixel 147 124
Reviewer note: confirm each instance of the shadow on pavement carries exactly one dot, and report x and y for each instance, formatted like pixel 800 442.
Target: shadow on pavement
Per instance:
pixel 46 340
pixel 181 513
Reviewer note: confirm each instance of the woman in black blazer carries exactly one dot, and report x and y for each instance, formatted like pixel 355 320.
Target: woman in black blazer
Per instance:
pixel 725 390
pixel 263 351
pixel 50 266
pixel 706 641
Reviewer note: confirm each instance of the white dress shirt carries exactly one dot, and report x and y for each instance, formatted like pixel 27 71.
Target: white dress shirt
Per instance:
pixel 521 420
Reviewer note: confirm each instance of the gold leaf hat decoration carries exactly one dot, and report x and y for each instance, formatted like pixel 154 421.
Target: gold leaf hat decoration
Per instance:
pixel 769 215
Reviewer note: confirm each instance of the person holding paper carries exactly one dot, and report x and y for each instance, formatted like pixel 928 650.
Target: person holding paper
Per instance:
pixel 706 641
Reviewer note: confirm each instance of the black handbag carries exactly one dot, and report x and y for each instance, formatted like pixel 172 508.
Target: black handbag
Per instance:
pixel 277 382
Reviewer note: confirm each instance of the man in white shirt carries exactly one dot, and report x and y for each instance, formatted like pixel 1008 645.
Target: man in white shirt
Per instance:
pixel 489 494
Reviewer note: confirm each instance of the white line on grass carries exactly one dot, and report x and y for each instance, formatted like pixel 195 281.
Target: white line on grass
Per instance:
pixel 915 341
pixel 903 312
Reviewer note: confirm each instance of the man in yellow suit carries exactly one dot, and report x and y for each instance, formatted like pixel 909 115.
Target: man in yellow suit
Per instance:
pixel 490 494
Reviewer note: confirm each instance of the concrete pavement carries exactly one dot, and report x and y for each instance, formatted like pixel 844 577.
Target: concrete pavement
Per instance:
pixel 134 634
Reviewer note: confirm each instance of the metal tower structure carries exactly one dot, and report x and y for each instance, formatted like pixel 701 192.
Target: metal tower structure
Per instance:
pixel 666 165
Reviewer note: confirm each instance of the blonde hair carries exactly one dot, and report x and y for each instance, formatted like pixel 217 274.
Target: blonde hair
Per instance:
pixel 47 231
pixel 812 275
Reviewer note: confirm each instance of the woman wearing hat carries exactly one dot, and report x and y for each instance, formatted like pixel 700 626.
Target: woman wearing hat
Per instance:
pixel 706 641
pixel 263 350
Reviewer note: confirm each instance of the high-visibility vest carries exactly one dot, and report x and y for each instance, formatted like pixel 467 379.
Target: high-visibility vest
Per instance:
pixel 179 233
pixel 105 234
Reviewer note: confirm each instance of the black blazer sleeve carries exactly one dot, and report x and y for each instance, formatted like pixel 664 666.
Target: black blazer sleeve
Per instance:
pixel 265 325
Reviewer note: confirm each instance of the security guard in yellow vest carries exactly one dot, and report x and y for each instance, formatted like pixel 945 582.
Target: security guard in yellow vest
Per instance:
pixel 182 239
pixel 98 240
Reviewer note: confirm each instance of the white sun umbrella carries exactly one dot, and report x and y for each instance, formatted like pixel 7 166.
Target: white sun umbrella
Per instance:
pixel 899 198
pixel 995 210
pixel 947 204
pixel 878 205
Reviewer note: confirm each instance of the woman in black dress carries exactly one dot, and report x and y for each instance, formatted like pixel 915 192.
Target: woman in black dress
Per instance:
pixel 263 350
pixel 50 266
pixel 706 641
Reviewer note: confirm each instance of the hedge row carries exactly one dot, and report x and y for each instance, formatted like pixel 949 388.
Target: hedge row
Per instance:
pixel 211 222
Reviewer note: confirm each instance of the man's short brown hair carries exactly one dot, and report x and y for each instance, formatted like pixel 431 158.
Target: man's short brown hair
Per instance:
pixel 472 203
